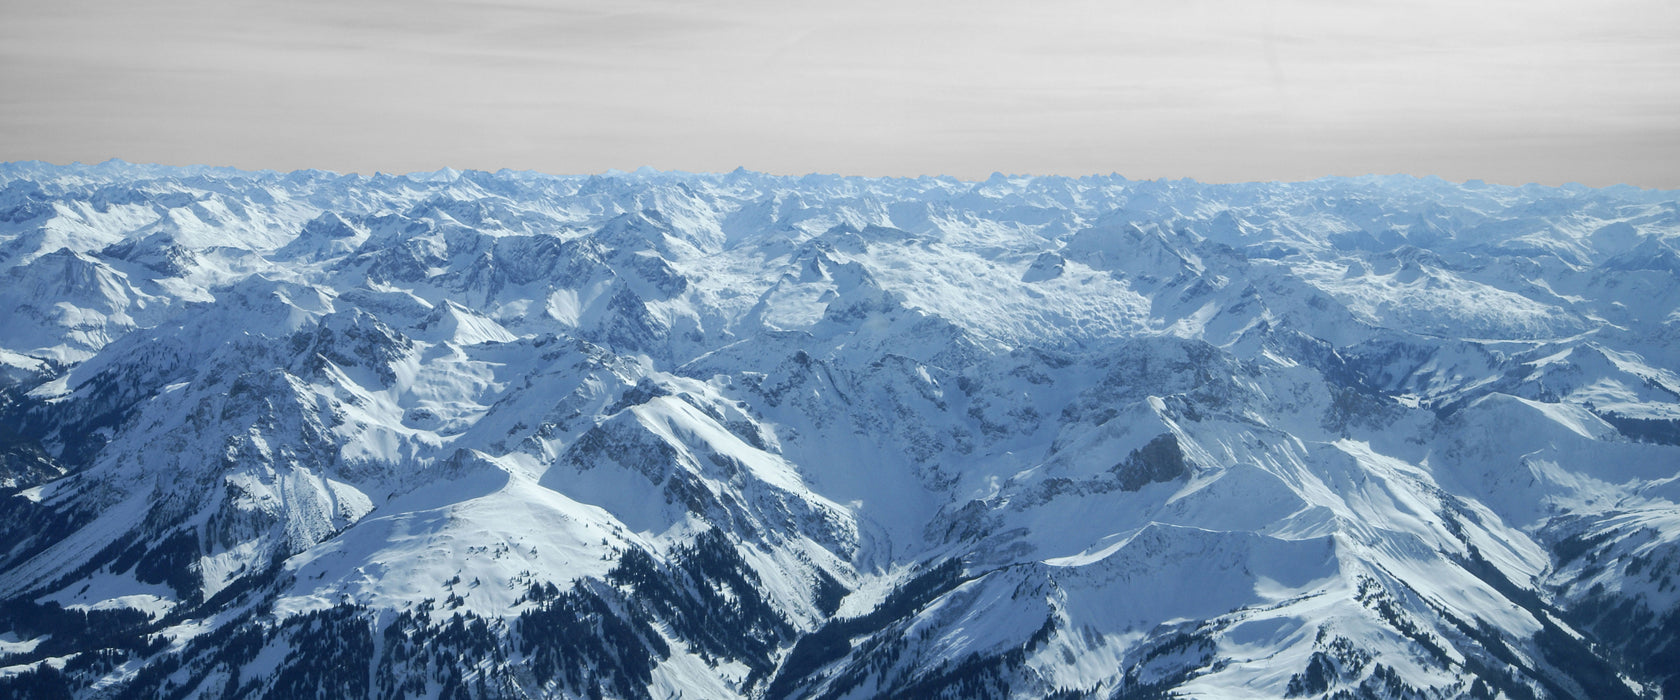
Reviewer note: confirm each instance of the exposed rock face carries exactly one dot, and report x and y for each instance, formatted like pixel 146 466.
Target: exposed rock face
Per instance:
pixel 1159 461
pixel 513 435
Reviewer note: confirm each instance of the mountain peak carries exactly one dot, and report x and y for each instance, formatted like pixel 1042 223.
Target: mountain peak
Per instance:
pixel 651 434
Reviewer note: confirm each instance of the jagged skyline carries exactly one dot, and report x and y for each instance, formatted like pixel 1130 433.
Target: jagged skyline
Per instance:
pixel 509 435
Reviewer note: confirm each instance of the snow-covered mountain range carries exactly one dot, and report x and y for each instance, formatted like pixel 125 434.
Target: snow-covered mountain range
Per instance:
pixel 650 435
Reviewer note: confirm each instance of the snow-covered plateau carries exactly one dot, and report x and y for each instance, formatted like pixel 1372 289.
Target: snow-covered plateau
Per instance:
pixel 653 435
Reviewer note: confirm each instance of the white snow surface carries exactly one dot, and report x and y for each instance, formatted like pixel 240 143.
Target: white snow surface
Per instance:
pixel 1195 435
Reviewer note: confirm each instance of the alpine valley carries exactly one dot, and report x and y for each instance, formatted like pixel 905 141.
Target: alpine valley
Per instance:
pixel 654 435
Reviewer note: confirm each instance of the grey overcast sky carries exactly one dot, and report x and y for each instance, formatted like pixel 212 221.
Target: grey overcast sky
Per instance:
pixel 1502 90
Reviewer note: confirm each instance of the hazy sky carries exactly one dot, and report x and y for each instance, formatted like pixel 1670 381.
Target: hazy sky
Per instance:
pixel 1506 91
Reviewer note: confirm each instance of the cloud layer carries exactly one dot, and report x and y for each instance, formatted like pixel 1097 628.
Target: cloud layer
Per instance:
pixel 1505 91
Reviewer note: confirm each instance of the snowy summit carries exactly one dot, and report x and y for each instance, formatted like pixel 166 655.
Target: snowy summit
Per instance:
pixel 650 435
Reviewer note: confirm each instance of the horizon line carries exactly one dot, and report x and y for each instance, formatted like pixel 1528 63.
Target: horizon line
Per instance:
pixel 648 170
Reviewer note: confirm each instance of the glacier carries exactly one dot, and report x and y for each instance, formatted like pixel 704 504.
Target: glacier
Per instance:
pixel 659 434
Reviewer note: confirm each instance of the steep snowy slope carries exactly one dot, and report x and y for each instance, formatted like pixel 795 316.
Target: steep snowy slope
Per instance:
pixel 496 435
